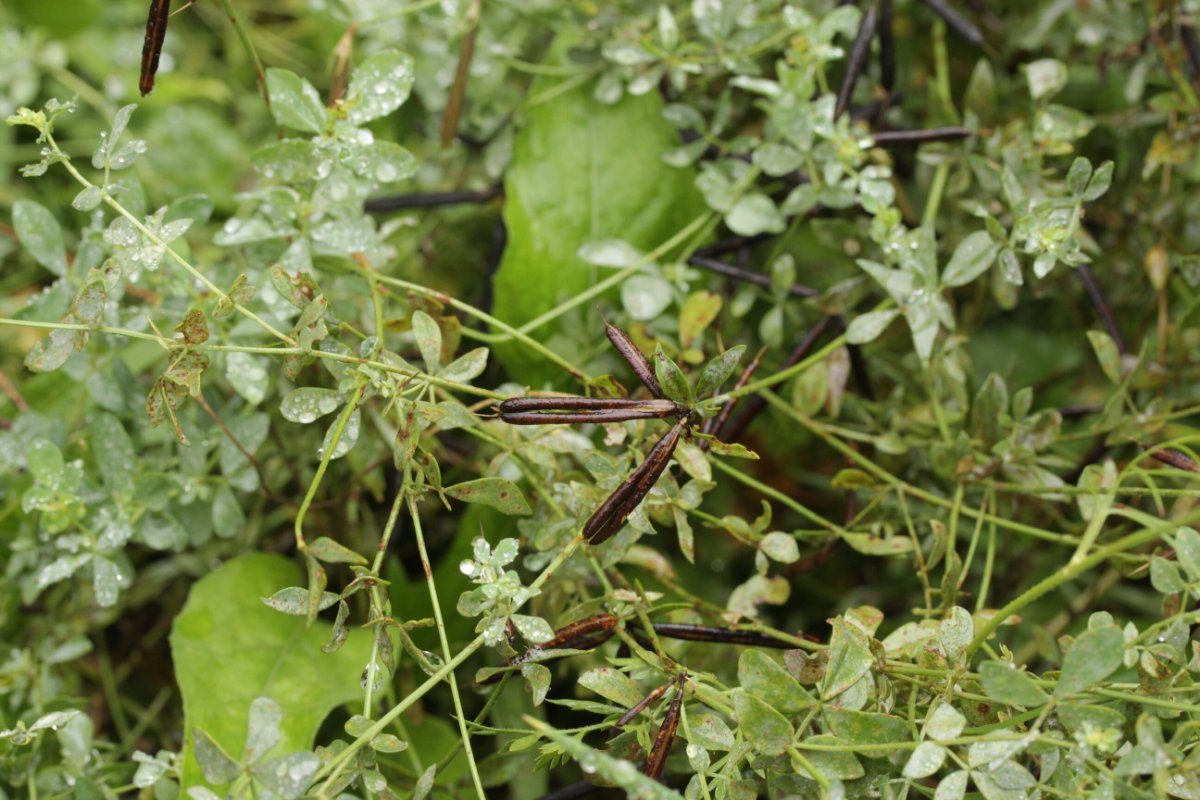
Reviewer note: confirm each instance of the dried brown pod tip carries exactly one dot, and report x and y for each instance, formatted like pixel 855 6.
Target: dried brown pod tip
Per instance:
pixel 156 34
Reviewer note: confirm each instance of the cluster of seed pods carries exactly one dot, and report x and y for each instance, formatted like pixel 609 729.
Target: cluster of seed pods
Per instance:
pixel 608 518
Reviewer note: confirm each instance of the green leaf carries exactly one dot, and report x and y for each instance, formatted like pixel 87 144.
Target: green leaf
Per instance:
pixel 955 632
pixel 467 367
pixel 849 659
pixel 621 773
pixel 1101 180
pixel 611 684
pixel 308 404
pixel 764 728
pixel 767 680
pixel 753 214
pixel 331 552
pixel 498 493
pixel 574 179
pixel 1046 77
pixel 717 371
pixel 867 727
pixel 1094 656
pixel 294 101
pixel 1107 354
pixel 379 86
pixel 670 377
pixel 1187 550
pixel 228 649
pixel 429 340
pixel 40 235
pixel 946 722
pixel 971 259
pixel 833 764
pixel 697 313
pixel 867 327
pixel 1078 176
pixel 1005 683
pixel 926 759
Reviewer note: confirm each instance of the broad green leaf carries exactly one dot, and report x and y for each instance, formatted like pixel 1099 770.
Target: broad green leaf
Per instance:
pixel 498 493
pixel 696 314
pixel 429 340
pixel 953 786
pixel 753 214
pixel 767 680
pixel 379 86
pixel 925 760
pixel 467 367
pixel 331 552
pixel 955 632
pixel 1004 682
pixel 645 297
pixel 1107 354
pixel 717 371
pixel 781 547
pixel 228 649
pixel 764 728
pixel 1101 180
pixel 623 774
pixel 833 764
pixel 971 259
pixel 308 404
pixel 867 727
pixel 611 684
pixel 867 327
pixel 1046 77
pixel 670 377
pixel 849 659
pixel 294 101
pixel 1094 656
pixel 1187 550
pixel 946 722
pixel 573 180
pixel 1078 176
pixel 40 235
pixel 262 731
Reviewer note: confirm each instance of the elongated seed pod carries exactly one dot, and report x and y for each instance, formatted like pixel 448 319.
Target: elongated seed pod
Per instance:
pixel 887 47
pixel 640 705
pixel 612 513
pixel 886 139
pixel 666 735
pixel 856 62
pixel 638 362
pixel 560 410
pixel 156 34
pixel 704 633
pixel 1174 458
pixel 956 22
pixel 571 402
pixel 582 635
pixel 561 418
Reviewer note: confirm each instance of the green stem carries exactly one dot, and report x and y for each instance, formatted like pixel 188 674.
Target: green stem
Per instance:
pixel 464 734
pixel 326 456
pixel 260 74
pixel 1067 573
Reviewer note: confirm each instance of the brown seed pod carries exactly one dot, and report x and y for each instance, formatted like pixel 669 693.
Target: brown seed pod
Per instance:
pixel 666 734
pixel 612 513
pixel 638 362
pixel 560 410
pixel 156 34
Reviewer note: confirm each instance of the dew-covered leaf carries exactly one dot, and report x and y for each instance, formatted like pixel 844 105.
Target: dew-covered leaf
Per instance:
pixel 294 101
pixel 379 86
pixel 40 234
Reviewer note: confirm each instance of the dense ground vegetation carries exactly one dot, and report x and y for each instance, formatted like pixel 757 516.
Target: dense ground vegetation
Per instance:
pixel 916 282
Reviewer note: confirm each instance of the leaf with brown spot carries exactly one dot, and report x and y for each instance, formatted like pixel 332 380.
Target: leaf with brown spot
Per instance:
pixel 500 494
